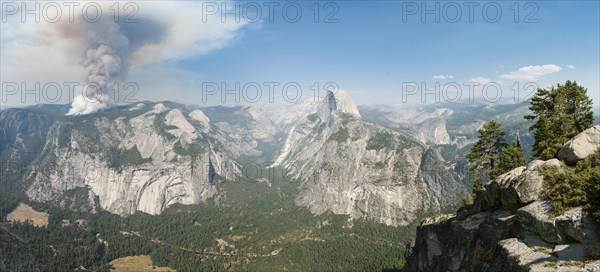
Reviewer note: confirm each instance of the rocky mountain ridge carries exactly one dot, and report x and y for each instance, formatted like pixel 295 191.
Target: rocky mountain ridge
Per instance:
pixel 364 169
pixel 452 123
pixel 144 158
pixel 148 156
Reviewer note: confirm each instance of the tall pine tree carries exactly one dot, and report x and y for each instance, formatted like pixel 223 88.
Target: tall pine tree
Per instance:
pixel 511 157
pixel 559 113
pixel 485 154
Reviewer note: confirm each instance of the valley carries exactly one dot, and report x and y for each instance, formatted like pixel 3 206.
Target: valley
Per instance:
pixel 329 187
pixel 383 136
pixel 219 188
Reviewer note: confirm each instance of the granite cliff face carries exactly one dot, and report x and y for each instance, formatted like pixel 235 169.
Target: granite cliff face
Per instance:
pixel 22 137
pixel 148 156
pixel 142 158
pixel 349 166
pixel 433 131
pixel 511 226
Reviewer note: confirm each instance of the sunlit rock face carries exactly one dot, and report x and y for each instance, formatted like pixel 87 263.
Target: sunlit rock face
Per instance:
pixel 142 159
pixel 511 226
pixel 148 156
pixel 581 146
pixel 349 166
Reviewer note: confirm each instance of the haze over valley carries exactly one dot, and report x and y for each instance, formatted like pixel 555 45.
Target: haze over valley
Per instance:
pixel 299 136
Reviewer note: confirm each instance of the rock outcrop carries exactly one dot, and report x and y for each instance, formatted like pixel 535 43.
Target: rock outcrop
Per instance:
pixel 581 146
pixel 531 239
pixel 512 227
pixel 340 101
pixel 433 131
pixel 515 188
pixel 349 166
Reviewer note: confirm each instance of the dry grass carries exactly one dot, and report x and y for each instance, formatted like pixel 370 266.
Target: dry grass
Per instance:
pixel 136 264
pixel 24 213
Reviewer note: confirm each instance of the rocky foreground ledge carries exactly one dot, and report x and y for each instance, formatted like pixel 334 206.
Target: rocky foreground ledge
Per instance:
pixel 511 226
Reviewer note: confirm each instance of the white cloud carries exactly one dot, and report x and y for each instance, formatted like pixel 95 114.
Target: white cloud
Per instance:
pixel 481 80
pixel 39 52
pixel 570 66
pixel 531 73
pixel 189 34
pixel 443 77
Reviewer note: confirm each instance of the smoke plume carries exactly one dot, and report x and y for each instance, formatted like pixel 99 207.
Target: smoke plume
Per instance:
pixel 107 47
pixel 152 41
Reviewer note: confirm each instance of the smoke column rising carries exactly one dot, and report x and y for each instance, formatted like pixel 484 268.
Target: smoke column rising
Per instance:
pixel 106 50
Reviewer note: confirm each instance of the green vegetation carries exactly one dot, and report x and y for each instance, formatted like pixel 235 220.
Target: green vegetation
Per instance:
pixel 379 165
pixel 485 254
pixel 118 158
pixel 161 127
pixel 85 131
pixel 449 152
pixel 313 117
pixel 261 227
pixel 559 113
pixel 319 128
pixel 511 157
pixel 542 249
pixel 116 112
pixel 464 204
pixel 64 136
pixel 380 140
pixel 503 113
pixel 77 199
pixel 346 117
pixel 193 149
pixel 484 155
pixel 31 125
pixel 572 186
pixel 56 248
pixel 594 252
pixel 491 156
pixel 341 135
pixel 258 227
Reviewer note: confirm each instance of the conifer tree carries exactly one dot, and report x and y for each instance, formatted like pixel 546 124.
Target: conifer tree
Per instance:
pixel 511 157
pixel 559 113
pixel 485 154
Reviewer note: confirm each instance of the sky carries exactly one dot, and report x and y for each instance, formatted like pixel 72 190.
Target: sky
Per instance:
pixel 380 52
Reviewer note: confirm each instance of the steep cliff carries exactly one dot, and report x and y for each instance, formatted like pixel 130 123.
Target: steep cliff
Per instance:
pixel 512 225
pixel 142 158
pixel 349 166
pixel 22 138
pixel 148 156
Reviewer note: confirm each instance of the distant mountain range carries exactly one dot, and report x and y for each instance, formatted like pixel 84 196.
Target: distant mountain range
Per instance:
pixel 386 163
pixel 151 155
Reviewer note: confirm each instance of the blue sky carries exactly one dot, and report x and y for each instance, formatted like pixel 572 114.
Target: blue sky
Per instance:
pixel 371 51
